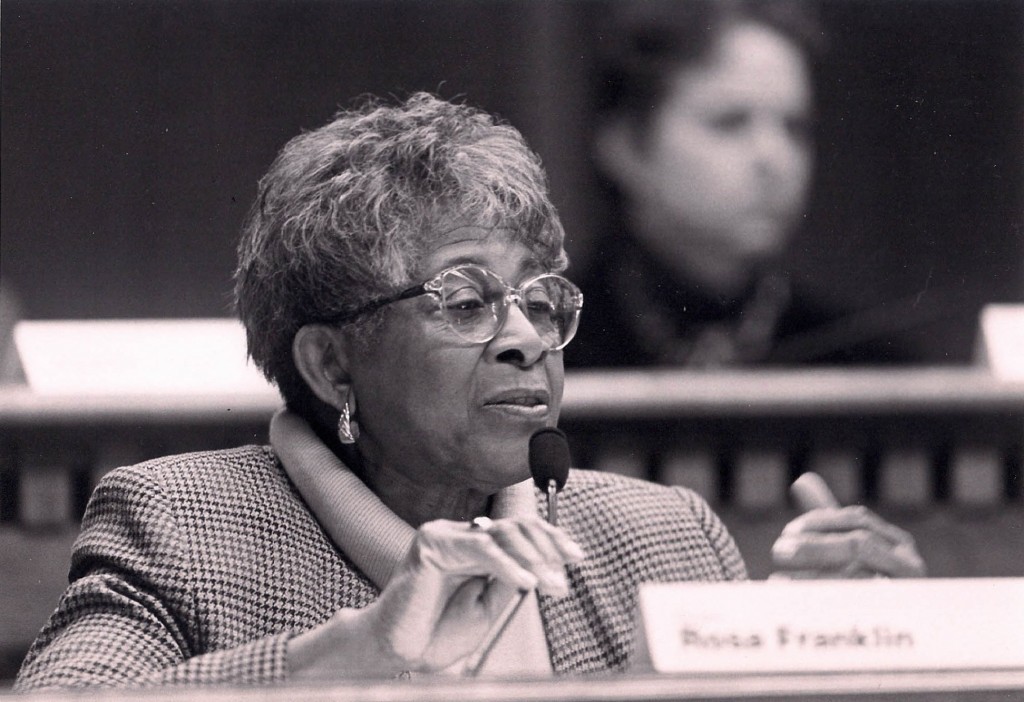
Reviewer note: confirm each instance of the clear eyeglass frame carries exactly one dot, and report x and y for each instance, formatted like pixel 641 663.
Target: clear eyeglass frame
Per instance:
pixel 551 303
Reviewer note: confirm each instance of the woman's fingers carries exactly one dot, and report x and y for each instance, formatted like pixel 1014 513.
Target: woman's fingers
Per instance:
pixel 457 580
pixel 452 549
pixel 525 553
pixel 846 542
pixel 484 598
pixel 539 548
pixel 845 554
pixel 846 519
pixel 569 550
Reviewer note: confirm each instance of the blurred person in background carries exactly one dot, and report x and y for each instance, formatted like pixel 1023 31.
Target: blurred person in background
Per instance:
pixel 705 134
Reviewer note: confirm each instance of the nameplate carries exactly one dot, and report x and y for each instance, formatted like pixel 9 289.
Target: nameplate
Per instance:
pixel 1001 337
pixel 834 625
pixel 137 356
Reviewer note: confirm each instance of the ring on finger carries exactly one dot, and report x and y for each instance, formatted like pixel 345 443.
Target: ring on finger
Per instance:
pixel 481 523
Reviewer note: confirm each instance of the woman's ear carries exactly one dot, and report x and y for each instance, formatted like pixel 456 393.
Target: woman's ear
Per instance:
pixel 619 154
pixel 320 353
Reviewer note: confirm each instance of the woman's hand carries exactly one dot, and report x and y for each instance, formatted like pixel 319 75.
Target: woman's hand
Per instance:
pixel 845 542
pixel 442 600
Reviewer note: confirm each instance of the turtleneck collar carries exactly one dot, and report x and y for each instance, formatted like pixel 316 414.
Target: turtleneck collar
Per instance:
pixel 359 523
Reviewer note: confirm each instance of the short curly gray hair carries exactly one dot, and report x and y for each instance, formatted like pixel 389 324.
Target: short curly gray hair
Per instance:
pixel 347 211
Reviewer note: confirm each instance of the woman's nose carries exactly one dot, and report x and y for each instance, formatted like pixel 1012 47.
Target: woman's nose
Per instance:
pixel 518 341
pixel 776 152
pixel 770 149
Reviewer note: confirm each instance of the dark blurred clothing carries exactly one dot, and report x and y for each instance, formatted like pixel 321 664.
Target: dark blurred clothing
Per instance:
pixel 637 313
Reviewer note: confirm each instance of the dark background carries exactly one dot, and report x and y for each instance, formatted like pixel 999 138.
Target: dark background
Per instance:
pixel 133 134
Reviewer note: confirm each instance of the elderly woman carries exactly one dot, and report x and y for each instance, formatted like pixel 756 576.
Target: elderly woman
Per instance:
pixel 399 280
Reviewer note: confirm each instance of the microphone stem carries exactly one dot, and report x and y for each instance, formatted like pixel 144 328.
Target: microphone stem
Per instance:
pixel 476 661
pixel 552 502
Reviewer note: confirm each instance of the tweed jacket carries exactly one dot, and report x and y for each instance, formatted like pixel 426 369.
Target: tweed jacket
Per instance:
pixel 199 568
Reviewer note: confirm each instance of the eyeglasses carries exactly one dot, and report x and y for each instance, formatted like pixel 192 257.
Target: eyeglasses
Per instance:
pixel 474 302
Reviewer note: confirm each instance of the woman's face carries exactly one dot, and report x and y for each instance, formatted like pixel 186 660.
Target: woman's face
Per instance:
pixel 442 410
pixel 728 156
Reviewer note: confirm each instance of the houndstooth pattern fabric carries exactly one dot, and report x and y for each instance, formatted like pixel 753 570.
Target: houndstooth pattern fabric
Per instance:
pixel 633 532
pixel 198 568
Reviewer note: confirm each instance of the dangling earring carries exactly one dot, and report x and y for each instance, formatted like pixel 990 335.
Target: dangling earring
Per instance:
pixel 348 428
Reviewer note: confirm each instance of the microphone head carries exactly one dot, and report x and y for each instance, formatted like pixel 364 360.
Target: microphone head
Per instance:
pixel 549 457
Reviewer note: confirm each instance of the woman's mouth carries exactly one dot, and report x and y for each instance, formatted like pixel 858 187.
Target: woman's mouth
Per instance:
pixel 531 404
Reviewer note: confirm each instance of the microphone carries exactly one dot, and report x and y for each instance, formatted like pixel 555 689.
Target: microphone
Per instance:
pixel 549 465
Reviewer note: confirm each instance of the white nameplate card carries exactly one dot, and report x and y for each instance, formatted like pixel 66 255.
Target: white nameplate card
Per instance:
pixel 1001 340
pixel 137 356
pixel 834 625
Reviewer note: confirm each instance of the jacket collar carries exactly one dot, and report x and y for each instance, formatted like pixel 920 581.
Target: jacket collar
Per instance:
pixel 364 528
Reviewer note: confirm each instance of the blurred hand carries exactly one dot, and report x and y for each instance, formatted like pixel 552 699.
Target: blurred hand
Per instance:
pixel 442 600
pixel 845 542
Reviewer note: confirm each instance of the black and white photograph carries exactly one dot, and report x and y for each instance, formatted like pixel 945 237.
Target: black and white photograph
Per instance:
pixel 264 434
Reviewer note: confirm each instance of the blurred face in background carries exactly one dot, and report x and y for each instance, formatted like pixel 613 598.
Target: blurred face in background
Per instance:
pixel 721 174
